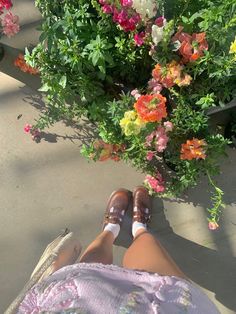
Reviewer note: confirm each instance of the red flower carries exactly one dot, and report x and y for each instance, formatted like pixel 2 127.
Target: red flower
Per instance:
pixel 20 63
pixel 151 108
pixel 7 4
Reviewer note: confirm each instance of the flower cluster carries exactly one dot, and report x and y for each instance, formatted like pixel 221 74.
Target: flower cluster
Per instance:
pixel 148 108
pixel 193 149
pixel 158 139
pixel 105 151
pixel 155 184
pixel 151 108
pixel 168 76
pixel 20 63
pixel 133 14
pixel 35 132
pixel 5 4
pixel 131 124
pixel 10 22
pixel 124 15
pixel 191 47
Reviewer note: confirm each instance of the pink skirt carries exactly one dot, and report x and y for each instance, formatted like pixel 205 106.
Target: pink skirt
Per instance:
pixel 97 288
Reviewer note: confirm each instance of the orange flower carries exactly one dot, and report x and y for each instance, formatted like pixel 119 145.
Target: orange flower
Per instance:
pixel 193 149
pixel 162 76
pixel 171 74
pixel 192 46
pixel 107 151
pixel 20 63
pixel 156 72
pixel 151 108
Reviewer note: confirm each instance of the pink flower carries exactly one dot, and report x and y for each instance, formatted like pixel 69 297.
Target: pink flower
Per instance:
pixel 135 19
pixel 139 39
pixel 10 24
pixel 212 225
pixel 161 139
pixel 122 17
pixel 126 3
pixel 128 25
pixel 107 8
pixel 150 155
pixel 7 4
pixel 168 126
pixel 115 15
pixel 27 128
pixel 102 2
pixel 135 93
pixel 155 183
pixel 149 139
pixel 160 21
pixel 154 86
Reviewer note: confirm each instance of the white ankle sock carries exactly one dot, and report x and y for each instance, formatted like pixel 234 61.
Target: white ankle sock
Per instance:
pixel 114 228
pixel 136 226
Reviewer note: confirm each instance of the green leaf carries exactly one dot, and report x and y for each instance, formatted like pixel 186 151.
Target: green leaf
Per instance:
pixel 43 36
pixel 44 88
pixel 102 69
pixel 95 57
pixel 185 19
pixel 63 81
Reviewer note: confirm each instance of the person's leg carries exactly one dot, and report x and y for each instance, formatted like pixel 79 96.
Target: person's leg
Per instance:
pixel 100 250
pixel 146 252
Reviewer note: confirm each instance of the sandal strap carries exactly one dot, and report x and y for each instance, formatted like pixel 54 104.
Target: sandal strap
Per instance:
pixel 114 216
pixel 141 215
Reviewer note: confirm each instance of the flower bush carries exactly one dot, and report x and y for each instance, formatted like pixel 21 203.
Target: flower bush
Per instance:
pixel 9 23
pixel 144 73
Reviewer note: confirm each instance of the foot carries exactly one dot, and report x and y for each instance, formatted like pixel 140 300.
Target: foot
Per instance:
pixel 117 205
pixel 142 206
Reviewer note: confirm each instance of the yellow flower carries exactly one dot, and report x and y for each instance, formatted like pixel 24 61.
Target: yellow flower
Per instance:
pixel 183 81
pixel 131 124
pixel 140 122
pixel 131 115
pixel 233 46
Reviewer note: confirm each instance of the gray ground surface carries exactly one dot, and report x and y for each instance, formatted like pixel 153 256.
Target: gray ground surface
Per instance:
pixel 48 186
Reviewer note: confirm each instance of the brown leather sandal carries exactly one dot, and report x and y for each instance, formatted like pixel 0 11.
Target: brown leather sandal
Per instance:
pixel 117 205
pixel 142 205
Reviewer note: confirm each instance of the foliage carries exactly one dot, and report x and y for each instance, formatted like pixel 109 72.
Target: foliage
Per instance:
pixel 104 59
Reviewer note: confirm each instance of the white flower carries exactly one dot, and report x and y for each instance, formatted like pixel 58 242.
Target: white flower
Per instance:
pixel 157 34
pixel 146 8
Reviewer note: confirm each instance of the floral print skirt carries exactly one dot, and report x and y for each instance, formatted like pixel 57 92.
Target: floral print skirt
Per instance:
pixel 97 288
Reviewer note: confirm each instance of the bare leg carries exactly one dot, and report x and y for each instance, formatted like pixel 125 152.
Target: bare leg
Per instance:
pixel 147 254
pixel 100 250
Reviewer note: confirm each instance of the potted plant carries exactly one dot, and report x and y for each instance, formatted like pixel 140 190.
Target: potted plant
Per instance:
pixel 145 74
